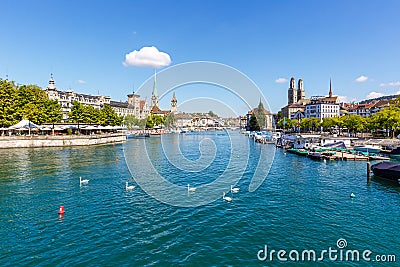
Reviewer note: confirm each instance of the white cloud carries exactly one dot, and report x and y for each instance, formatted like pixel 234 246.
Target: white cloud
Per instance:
pixel 147 57
pixel 281 80
pixel 361 79
pixel 374 95
pixel 81 81
pixel 390 84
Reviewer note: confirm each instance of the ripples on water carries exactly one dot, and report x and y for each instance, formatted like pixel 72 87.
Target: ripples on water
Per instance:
pixel 302 204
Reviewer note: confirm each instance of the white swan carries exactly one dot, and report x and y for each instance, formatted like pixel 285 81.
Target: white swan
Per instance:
pixel 234 189
pixel 229 199
pixel 191 189
pixel 129 187
pixel 81 182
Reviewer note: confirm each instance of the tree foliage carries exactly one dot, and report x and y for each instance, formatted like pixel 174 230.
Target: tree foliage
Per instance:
pixel 253 123
pixel 170 120
pixel 260 114
pixel 88 114
pixel 154 120
pixel 26 102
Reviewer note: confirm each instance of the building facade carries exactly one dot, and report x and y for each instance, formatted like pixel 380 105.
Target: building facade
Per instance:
pixel 296 99
pixel 323 107
pixel 67 98
pixel 134 106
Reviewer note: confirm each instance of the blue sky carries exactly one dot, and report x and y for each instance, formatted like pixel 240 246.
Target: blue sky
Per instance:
pixel 83 43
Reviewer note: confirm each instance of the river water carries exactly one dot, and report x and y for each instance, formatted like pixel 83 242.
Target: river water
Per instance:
pixel 301 205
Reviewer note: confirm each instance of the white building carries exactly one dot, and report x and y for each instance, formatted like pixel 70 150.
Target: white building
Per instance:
pixel 323 107
pixel 134 106
pixel 67 98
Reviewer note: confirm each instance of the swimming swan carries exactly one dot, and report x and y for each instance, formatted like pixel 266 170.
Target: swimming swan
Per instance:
pixel 234 189
pixel 81 182
pixel 191 189
pixel 129 187
pixel 229 199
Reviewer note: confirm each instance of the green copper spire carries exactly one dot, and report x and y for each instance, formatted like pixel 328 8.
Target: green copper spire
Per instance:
pixel 155 93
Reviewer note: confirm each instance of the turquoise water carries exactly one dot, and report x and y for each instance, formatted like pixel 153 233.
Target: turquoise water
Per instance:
pixel 302 204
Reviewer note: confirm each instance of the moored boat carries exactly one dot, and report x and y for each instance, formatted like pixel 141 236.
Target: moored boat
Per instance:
pixel 368 148
pixel 387 170
pixel 315 156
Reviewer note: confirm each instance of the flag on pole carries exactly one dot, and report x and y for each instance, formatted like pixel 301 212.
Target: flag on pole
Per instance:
pixel 298 119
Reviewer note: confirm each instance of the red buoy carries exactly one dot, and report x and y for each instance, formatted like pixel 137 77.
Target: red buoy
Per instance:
pixel 61 210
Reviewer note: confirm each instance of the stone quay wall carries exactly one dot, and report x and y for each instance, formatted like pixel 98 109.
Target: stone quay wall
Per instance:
pixel 59 141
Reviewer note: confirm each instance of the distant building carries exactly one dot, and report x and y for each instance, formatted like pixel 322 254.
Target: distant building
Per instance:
pixel 367 109
pixel 174 104
pixel 267 124
pixel 154 94
pixel 323 107
pixel 155 109
pixel 134 106
pixel 296 99
pixel 67 98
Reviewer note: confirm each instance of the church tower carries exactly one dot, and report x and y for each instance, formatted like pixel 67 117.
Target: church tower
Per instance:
pixel 51 89
pixel 154 94
pixel 292 92
pixel 330 87
pixel 174 103
pixel 301 93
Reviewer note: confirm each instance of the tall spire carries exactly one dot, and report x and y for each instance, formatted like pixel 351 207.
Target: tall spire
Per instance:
pixel 155 93
pixel 330 87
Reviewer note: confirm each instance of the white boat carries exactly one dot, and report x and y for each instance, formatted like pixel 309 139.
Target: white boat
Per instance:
pixel 368 148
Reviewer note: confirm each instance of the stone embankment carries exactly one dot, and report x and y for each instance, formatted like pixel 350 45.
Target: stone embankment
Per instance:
pixel 59 141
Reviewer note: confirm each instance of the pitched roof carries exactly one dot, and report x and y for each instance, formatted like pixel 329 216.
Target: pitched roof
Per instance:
pixel 142 103
pixel 157 110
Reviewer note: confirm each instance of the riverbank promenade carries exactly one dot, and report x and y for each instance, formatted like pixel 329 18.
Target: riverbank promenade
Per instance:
pixel 59 140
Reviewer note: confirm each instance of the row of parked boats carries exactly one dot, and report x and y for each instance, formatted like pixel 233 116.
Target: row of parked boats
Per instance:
pixel 331 148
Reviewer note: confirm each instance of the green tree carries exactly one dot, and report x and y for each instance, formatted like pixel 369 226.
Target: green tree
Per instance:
pixel 158 120
pixel 53 112
pixel 328 123
pixel 338 121
pixel 353 123
pixel 305 124
pixel 212 114
pixel 154 120
pixel 130 121
pixel 260 114
pixel 8 95
pixel 149 122
pixel 253 123
pixel 371 123
pixel 77 113
pixel 91 115
pixel 109 117
pixel 169 120
pixel 396 102
pixel 314 124
pixel 389 119
pixel 31 96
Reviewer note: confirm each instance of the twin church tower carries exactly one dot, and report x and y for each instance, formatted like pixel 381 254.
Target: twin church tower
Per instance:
pixel 296 94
